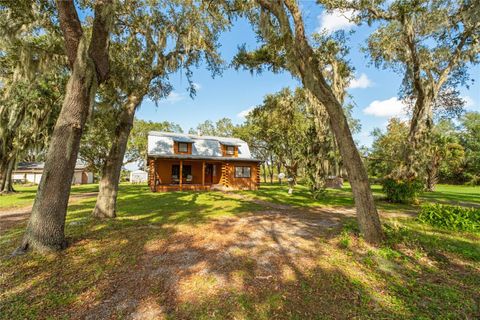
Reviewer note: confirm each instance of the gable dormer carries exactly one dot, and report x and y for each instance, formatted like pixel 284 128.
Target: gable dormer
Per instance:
pixel 182 146
pixel 229 150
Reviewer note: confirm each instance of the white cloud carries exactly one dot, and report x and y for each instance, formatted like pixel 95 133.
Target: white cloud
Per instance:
pixel 196 86
pixel 174 97
pixel 361 82
pixel 469 102
pixel 386 108
pixel 335 20
pixel 244 113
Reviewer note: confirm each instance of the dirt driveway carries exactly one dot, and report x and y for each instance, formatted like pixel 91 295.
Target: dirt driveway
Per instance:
pixel 275 253
pixel 198 267
pixel 248 253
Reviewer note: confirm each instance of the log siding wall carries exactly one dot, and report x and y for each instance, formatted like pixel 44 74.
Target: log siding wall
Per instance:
pixel 160 175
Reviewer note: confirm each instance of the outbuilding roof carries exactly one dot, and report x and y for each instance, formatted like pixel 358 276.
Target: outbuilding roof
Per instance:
pixel 38 166
pixel 160 145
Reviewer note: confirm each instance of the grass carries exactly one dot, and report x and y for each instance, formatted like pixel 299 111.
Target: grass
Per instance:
pixel 452 194
pixel 421 272
pixel 26 194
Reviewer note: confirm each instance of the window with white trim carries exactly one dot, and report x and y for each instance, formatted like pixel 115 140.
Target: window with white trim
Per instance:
pixel 242 172
pixel 230 150
pixel 182 147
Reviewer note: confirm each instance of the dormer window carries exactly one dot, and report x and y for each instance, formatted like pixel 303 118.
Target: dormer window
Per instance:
pixel 230 150
pixel 182 147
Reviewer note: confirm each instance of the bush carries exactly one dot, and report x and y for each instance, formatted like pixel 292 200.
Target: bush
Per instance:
pixel 401 191
pixel 474 180
pixel 450 217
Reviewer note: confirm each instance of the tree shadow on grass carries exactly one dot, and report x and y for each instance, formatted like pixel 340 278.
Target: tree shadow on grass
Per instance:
pixel 432 275
pixel 259 266
pixel 459 198
pixel 98 249
pixel 204 255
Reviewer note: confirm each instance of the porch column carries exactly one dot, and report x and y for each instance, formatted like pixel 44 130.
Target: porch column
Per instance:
pixel 203 173
pixel 181 174
pixel 152 174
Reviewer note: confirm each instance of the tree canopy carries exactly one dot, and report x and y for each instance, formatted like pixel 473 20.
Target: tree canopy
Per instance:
pixel 221 128
pixel 431 43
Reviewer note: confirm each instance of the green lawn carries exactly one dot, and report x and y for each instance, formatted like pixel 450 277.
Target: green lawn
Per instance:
pixel 452 194
pixel 419 273
pixel 26 194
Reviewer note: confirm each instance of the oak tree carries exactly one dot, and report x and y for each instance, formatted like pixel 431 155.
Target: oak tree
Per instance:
pixel 32 77
pixel 431 43
pixel 163 37
pixel 285 46
pixel 87 54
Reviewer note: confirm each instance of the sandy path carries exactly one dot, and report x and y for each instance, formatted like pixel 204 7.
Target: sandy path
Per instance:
pixel 247 252
pixel 254 251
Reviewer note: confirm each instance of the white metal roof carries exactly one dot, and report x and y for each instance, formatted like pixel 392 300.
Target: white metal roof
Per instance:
pixel 39 166
pixel 138 171
pixel 160 144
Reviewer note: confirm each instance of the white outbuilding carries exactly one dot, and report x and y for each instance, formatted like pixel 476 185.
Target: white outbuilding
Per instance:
pixel 138 176
pixel 31 172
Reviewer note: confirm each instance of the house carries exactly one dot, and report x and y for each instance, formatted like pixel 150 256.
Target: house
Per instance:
pixel 138 176
pixel 190 162
pixel 32 172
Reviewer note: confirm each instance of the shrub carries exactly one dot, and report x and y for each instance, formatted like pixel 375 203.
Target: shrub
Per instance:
pixel 474 180
pixel 318 193
pixel 450 217
pixel 400 191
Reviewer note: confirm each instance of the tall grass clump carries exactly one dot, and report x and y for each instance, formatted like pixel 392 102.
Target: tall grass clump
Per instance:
pixel 450 217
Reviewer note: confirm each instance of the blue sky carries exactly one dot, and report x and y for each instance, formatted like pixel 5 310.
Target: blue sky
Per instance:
pixel 233 93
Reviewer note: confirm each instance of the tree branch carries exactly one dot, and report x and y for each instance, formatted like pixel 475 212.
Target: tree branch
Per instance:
pixel 98 49
pixel 71 28
pixel 455 57
pixel 410 39
pixel 275 7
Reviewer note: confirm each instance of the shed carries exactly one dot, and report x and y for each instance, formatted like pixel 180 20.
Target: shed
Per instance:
pixel 138 176
pixel 32 172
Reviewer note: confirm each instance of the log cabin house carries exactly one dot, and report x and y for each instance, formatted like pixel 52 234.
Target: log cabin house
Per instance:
pixel 189 162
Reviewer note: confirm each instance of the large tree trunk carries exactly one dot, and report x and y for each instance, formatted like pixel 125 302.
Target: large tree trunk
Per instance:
pixel 432 174
pixel 6 184
pixel 89 62
pixel 108 188
pixel 420 125
pixel 306 65
pixel 45 229
pixel 369 221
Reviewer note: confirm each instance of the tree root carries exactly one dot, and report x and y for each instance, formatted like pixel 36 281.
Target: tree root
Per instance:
pixel 27 245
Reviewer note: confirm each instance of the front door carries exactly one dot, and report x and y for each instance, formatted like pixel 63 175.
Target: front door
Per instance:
pixel 209 173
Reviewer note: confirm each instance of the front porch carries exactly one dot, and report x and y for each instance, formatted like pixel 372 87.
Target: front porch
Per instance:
pixel 183 187
pixel 183 175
